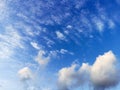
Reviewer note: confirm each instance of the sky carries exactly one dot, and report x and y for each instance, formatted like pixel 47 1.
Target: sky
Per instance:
pixel 59 44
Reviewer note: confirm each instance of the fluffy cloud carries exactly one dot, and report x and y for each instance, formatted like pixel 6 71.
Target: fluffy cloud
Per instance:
pixel 42 59
pixel 25 74
pixel 102 74
pixel 73 76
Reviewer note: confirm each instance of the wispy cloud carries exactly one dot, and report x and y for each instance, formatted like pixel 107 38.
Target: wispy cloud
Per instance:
pixel 35 45
pixel 10 40
pixel 99 24
pixel 60 35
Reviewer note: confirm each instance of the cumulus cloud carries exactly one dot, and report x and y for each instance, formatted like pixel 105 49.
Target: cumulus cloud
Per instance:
pixel 74 76
pixel 102 74
pixel 25 74
pixel 42 59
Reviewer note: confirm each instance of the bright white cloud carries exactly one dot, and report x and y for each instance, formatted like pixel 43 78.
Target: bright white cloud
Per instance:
pixel 102 74
pixel 25 74
pixel 71 77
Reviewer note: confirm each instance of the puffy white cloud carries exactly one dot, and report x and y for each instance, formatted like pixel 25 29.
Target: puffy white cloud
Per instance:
pixel 25 74
pixel 74 76
pixel 104 72
pixel 42 59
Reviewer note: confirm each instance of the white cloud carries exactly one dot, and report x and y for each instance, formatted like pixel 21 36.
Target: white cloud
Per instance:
pixel 25 74
pixel 4 10
pixel 69 27
pixel 35 45
pixel 71 77
pixel 10 39
pixel 104 72
pixel 56 53
pixel 42 59
pixel 60 35
pixel 66 32
pixel 64 51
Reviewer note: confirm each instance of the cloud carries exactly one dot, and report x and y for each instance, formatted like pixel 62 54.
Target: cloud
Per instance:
pixel 27 79
pixel 64 51
pixel 60 35
pixel 69 27
pixel 10 39
pixel 42 59
pixel 74 76
pixel 57 53
pixel 4 10
pixel 102 74
pixel 25 74
pixel 49 42
pixel 35 45
pixel 99 24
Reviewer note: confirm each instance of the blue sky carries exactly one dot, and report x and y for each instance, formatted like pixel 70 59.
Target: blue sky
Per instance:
pixel 59 44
